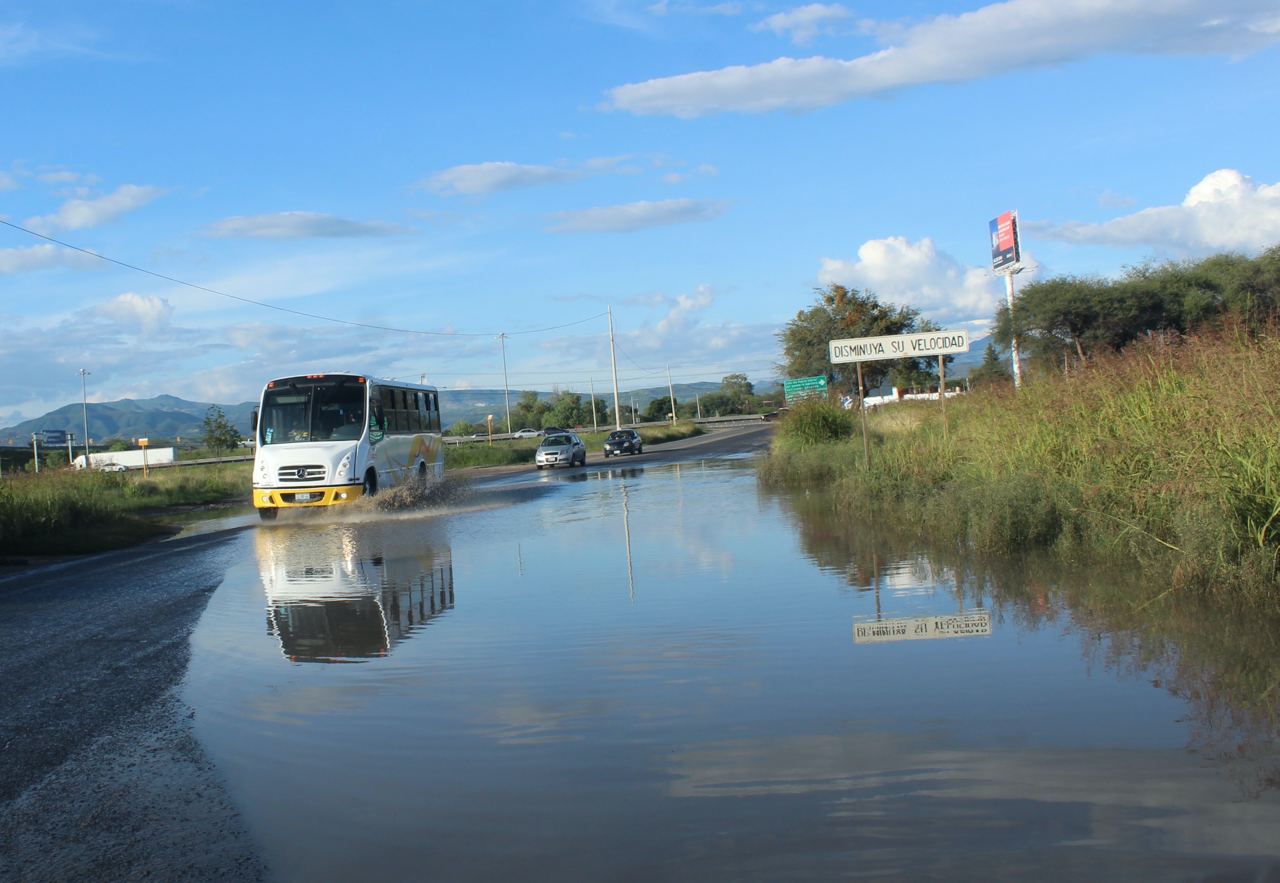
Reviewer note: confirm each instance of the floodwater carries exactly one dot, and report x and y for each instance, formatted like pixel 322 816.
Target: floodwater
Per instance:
pixel 671 673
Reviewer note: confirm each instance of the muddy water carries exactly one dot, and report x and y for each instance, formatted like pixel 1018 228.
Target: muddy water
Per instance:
pixel 669 673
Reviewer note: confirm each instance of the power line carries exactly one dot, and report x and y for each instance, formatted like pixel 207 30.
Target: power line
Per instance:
pixel 258 303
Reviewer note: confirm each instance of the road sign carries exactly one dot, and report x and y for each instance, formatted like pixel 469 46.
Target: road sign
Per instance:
pixel 804 388
pixel 899 346
pixel 925 628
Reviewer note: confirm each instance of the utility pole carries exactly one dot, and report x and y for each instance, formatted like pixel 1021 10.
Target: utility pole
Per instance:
pixel 35 452
pixel 71 437
pixel 672 390
pixel 633 410
pixel 506 390
pixel 84 406
pixel 595 423
pixel 697 402
pixel 613 360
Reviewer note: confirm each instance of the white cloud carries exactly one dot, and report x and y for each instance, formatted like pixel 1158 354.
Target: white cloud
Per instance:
pixel 492 177
pixel 144 313
pixel 805 22
pixel 41 257
pixel 1225 211
pixel 917 274
pixel 7 182
pixel 78 214
pixel 61 176
pixel 989 41
pixel 686 307
pixel 637 216
pixel 301 225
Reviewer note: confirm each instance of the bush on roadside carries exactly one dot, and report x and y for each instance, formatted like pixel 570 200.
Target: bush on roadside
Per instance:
pixel 815 422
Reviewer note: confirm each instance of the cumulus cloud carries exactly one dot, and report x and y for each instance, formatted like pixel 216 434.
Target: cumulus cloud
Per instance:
pixel 492 177
pixel 917 274
pixel 1225 211
pixel 41 257
pixel 988 41
pixel 78 214
pixel 805 22
pixel 144 313
pixel 300 225
pixel 637 216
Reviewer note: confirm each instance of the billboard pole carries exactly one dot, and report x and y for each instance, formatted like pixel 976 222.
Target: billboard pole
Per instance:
pixel 862 406
pixel 1013 338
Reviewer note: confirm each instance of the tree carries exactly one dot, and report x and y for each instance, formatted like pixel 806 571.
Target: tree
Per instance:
pixel 567 409
pixel 737 390
pixel 463 428
pixel 992 371
pixel 219 433
pixel 658 409
pixel 842 312
pixel 529 411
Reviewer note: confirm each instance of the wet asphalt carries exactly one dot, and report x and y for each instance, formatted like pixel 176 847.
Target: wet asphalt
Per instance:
pixel 100 775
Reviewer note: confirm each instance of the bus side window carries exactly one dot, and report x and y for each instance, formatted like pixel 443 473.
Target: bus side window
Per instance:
pixel 433 404
pixel 420 412
pixel 389 409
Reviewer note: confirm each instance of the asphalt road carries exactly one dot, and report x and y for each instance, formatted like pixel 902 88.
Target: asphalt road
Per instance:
pixel 100 775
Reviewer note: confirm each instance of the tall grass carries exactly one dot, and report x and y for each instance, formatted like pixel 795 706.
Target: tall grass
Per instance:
pixel 1166 452
pixel 60 512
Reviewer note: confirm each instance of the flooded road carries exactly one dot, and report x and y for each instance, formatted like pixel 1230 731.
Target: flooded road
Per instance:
pixel 664 671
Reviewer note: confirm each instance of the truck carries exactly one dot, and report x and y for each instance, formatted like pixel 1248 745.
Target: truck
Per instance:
pixel 119 461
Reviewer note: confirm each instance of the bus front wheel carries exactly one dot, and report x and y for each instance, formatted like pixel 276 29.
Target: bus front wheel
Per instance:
pixel 370 483
pixel 268 514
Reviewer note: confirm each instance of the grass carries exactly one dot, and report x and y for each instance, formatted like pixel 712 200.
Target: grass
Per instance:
pixel 68 512
pixel 1165 455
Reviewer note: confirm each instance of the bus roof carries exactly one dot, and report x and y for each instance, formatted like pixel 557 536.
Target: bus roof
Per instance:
pixel 362 378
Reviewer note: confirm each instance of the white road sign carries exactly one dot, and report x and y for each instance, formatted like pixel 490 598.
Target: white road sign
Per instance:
pixel 899 346
pixel 925 628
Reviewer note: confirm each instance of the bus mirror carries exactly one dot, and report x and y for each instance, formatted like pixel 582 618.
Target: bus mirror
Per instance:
pixel 253 420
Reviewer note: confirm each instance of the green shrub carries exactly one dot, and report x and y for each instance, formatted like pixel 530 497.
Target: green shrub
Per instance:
pixel 815 423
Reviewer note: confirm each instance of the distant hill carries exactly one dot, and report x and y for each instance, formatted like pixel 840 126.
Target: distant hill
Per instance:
pixel 166 417
pixel 169 417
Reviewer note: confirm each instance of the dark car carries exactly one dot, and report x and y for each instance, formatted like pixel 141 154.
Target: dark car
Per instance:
pixel 623 441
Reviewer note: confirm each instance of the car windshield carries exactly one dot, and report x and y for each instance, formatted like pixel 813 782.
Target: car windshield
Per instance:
pixel 556 441
pixel 621 435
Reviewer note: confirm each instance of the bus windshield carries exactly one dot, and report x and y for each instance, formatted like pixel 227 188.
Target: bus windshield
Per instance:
pixel 312 410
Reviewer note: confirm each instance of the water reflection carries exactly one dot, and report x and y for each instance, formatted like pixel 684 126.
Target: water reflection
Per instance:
pixel 337 594
pixel 1223 661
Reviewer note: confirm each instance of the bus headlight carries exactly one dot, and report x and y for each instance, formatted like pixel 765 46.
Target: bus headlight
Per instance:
pixel 344 468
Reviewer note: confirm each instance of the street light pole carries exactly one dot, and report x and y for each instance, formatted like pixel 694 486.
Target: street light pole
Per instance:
pixel 613 362
pixel 506 390
pixel 84 407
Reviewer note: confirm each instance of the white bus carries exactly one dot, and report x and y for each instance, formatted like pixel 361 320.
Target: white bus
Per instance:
pixel 328 439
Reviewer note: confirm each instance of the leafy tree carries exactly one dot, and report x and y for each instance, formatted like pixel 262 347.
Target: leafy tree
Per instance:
pixel 118 444
pixel 219 433
pixel 992 371
pixel 462 427
pixel 567 409
pixel 839 313
pixel 529 411
pixel 738 390
pixel 658 409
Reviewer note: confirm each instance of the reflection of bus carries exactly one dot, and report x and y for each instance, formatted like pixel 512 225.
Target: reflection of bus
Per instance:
pixel 325 439
pixel 350 593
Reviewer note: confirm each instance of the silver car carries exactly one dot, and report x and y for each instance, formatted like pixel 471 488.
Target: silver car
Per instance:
pixel 561 448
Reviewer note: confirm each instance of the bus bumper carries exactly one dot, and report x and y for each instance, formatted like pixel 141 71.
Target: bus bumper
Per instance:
pixel 290 498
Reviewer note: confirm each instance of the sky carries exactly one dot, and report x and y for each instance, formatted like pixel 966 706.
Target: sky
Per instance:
pixel 230 192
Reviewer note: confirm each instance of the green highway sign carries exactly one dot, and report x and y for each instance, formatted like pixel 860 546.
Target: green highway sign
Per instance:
pixel 805 388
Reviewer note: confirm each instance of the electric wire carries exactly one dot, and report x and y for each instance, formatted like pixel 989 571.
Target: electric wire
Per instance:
pixel 303 313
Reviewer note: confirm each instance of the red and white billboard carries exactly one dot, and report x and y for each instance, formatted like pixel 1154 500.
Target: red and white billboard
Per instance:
pixel 1005 251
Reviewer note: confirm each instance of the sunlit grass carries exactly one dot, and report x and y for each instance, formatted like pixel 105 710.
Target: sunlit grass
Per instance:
pixel 1168 451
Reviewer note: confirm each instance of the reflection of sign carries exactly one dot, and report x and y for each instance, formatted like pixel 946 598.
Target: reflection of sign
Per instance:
pixel 899 346
pixel 1005 252
pixel 805 388
pixel 925 628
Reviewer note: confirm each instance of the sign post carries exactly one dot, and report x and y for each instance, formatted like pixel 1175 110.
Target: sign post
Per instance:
pixel 804 388
pixel 142 443
pixel 1006 259
pixel 897 346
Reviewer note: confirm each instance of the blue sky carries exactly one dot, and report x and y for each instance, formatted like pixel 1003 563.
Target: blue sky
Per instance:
pixel 700 167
